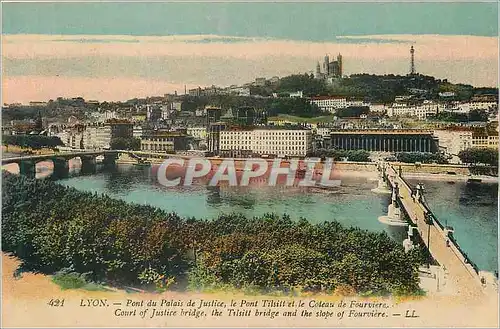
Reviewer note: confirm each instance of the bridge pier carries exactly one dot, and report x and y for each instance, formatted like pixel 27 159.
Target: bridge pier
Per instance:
pixel 27 168
pixel 110 159
pixel 61 167
pixel 382 186
pixel 394 216
pixel 88 164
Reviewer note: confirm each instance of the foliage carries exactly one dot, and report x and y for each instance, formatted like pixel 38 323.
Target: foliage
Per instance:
pixel 353 111
pixel 52 227
pixel 473 115
pixel 123 143
pixel 479 156
pixel 339 155
pixel 293 106
pixel 423 157
pixel 32 141
pixel 302 82
pixel 67 279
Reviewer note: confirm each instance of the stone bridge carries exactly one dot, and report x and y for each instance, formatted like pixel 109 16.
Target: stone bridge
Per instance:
pixel 60 160
pixel 438 239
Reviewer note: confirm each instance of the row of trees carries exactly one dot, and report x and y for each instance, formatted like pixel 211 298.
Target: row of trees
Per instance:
pixel 51 227
pixel 353 111
pixel 293 106
pixel 479 156
pixel 423 157
pixel 473 115
pixel 32 141
pixel 124 143
pixel 339 155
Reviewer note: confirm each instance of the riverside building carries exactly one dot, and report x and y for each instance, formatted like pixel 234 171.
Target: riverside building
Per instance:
pixel 266 142
pixel 163 141
pixel 385 140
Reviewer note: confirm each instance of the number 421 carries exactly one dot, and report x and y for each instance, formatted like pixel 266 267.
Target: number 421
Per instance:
pixel 56 302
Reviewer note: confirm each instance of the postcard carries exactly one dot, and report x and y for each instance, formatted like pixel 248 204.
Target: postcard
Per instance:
pixel 249 164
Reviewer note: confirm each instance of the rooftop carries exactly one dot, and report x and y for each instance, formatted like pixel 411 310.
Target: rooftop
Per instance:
pixel 383 131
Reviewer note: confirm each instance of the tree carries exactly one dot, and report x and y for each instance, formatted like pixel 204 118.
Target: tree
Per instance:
pixel 479 156
pixel 294 106
pixel 339 155
pixel 423 157
pixel 55 227
pixel 32 141
pixel 123 143
pixel 353 111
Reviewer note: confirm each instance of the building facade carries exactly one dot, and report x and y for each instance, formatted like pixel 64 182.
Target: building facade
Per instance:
pixel 329 103
pixel 266 141
pixel 197 132
pixel 385 140
pixel 452 141
pixel 163 141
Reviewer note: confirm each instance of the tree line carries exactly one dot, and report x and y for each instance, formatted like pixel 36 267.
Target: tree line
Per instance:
pixel 339 155
pixel 478 155
pixel 32 141
pixel 52 227
pixel 422 157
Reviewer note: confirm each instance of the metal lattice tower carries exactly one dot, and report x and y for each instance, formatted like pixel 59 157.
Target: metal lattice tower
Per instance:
pixel 412 68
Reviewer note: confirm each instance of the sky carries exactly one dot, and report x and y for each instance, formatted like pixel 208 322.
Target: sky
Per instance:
pixel 117 51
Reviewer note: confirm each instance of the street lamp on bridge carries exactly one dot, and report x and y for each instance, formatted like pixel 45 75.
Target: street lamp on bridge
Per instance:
pixel 429 221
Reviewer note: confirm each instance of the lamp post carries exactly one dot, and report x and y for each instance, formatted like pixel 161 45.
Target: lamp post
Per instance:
pixel 429 222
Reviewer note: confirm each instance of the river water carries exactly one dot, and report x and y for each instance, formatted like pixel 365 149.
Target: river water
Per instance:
pixel 470 209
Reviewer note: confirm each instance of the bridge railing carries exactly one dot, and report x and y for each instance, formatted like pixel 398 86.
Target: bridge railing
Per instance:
pixel 455 247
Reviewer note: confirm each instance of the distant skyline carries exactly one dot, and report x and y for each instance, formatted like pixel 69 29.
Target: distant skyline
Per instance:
pixel 117 51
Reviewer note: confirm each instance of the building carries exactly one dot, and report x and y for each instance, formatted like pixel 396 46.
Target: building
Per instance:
pixel 274 80
pixel 485 138
pixel 447 94
pixel 165 112
pixel 380 108
pixel 213 136
pixel 176 106
pixel 213 114
pixel 120 128
pixel 36 103
pixel 297 94
pixel 239 91
pixel 330 69
pixel 97 136
pixel 195 92
pixel 483 105
pixel 420 111
pixel 266 141
pixel 329 103
pixel 137 132
pixel 489 98
pixel 153 112
pixel 454 139
pixel 324 131
pixel 162 141
pixel 260 82
pixel 385 140
pixel 197 132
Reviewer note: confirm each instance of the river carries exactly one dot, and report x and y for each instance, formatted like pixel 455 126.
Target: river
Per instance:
pixel 470 209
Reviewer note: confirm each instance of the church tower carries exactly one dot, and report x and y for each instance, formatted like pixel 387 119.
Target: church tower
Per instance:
pixel 318 71
pixel 326 64
pixel 339 60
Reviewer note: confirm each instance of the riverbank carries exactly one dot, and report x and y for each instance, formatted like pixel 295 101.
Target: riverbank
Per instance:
pixel 450 178
pixel 25 304
pixel 369 169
